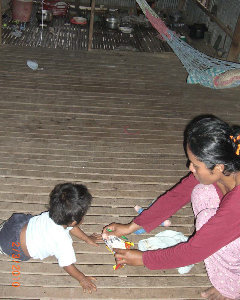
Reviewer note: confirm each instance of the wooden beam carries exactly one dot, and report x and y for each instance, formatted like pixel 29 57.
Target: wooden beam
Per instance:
pixel 234 51
pixel 215 19
pixel 181 4
pixel 90 36
pixel 0 22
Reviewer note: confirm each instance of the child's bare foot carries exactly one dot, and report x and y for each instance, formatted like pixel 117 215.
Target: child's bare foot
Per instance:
pixel 213 294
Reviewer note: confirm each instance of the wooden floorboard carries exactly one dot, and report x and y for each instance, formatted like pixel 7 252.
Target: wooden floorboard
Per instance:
pixel 113 121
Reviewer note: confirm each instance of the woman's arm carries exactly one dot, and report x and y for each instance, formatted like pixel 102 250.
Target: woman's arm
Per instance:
pixel 166 205
pixel 120 229
pixel 219 231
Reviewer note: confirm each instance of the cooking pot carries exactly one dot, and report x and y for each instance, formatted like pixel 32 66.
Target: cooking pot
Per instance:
pixel 112 22
pixel 44 15
pixel 197 31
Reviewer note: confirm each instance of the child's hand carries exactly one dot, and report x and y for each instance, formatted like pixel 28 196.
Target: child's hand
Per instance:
pixel 85 281
pixel 87 284
pixel 94 239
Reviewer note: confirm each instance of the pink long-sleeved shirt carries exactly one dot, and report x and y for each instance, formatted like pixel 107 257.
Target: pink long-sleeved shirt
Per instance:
pixel 220 230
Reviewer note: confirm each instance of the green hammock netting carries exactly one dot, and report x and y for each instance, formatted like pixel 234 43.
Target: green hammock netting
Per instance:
pixel 202 69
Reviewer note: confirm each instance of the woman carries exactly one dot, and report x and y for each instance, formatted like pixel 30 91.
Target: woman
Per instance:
pixel 213 186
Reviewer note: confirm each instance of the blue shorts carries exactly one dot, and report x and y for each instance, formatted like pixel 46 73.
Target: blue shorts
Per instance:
pixel 10 235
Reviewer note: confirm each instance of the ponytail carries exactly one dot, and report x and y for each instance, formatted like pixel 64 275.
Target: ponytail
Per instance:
pixel 236 139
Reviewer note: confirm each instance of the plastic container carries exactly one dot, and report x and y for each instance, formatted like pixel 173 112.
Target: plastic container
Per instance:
pixel 32 64
pixel 22 10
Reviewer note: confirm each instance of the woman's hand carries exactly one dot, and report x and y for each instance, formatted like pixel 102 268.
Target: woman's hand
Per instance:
pixel 128 257
pixel 87 284
pixel 119 229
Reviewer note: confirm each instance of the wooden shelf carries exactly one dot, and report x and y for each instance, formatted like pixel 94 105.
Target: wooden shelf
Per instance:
pixel 234 51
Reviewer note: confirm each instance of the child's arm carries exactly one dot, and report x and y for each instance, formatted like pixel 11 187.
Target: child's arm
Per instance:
pixel 92 239
pixel 85 281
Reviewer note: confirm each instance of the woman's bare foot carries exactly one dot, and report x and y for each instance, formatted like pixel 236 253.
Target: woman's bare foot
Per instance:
pixel 213 294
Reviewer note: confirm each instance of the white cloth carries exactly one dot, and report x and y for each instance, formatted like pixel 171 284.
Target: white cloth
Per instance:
pixel 163 240
pixel 45 238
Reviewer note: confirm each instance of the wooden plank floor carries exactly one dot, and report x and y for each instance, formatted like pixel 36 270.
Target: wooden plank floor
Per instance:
pixel 112 121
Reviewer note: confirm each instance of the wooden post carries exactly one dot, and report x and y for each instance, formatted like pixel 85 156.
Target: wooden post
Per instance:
pixel 234 52
pixel 181 4
pixel 90 36
pixel 0 22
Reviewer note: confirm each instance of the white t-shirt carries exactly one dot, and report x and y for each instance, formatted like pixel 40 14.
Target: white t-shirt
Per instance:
pixel 45 238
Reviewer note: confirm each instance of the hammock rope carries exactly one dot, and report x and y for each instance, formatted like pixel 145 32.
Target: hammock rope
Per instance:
pixel 202 69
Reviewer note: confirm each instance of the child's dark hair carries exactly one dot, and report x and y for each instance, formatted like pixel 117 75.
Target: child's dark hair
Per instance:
pixel 68 203
pixel 214 142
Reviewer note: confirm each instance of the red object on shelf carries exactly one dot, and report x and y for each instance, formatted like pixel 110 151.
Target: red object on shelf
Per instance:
pixel 58 8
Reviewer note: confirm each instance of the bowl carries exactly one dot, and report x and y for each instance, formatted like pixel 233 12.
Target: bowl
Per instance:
pixel 126 29
pixel 78 20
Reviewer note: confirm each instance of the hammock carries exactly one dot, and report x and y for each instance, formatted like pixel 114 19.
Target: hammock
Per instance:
pixel 202 69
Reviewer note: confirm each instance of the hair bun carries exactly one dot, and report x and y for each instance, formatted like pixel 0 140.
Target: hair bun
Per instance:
pixel 236 140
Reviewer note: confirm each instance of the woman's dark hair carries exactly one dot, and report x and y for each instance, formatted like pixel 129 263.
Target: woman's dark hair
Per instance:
pixel 68 203
pixel 209 139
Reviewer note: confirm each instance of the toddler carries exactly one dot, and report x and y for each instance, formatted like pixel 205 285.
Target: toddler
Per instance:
pixel 24 236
